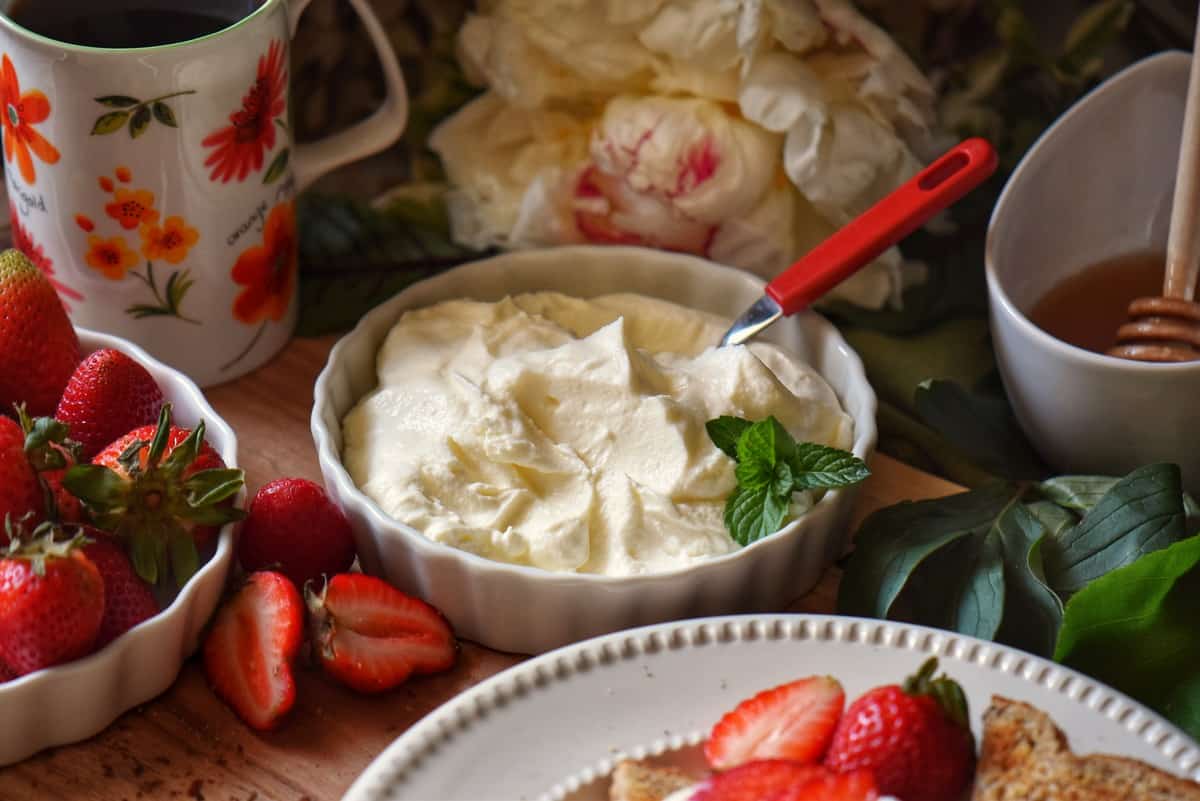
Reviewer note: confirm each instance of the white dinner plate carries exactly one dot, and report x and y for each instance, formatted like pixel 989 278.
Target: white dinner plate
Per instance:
pixel 551 728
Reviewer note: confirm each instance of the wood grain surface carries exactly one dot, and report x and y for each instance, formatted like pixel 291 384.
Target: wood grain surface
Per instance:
pixel 186 744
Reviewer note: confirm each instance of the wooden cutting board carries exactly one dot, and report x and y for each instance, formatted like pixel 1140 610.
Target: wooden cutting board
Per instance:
pixel 188 745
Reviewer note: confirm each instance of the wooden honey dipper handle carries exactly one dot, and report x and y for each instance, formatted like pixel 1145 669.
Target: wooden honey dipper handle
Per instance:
pixel 1167 329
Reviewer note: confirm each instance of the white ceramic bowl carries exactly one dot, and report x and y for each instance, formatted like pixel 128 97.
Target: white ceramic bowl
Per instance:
pixel 76 700
pixel 1097 184
pixel 528 610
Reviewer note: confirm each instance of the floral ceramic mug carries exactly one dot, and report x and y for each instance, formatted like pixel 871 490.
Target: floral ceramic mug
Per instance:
pixel 155 185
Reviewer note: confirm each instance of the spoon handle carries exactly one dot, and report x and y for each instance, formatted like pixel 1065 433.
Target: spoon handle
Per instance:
pixel 943 182
pixel 1183 247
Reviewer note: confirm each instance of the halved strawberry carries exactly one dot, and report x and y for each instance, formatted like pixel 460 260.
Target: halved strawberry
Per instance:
pixel 249 651
pixel 792 721
pixel 127 599
pixel 371 637
pixel 757 781
pixel 857 785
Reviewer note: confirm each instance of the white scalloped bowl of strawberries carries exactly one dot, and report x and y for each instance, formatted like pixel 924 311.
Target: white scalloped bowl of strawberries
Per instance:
pixel 77 699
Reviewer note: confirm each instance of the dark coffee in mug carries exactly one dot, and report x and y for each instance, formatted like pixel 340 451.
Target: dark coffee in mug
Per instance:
pixel 103 23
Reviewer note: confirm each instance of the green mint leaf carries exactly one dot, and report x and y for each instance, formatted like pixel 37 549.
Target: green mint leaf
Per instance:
pixel 751 514
pixel 783 482
pixel 983 427
pixel 1141 513
pixel 821 467
pixel 753 474
pixel 725 431
pixel 762 441
pixel 1135 629
pixel 893 542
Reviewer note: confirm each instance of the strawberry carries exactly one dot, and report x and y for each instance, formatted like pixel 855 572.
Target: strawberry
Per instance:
pixel 855 785
pixel 163 492
pixel 20 493
pixel 6 673
pixel 50 452
pixel 371 637
pixel 292 526
pixel 127 599
pixel 51 602
pixel 914 738
pixel 38 346
pixel 792 721
pixel 757 780
pixel 249 650
pixel 108 394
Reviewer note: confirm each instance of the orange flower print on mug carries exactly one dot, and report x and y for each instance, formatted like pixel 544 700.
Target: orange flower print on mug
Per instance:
pixel 268 274
pixel 112 256
pixel 132 207
pixel 170 242
pixel 239 148
pixel 20 113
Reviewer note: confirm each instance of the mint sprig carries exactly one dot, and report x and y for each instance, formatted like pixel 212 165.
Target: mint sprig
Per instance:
pixel 771 466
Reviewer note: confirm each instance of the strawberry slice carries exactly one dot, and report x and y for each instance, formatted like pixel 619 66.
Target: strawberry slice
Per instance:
pixel 757 781
pixel 857 785
pixel 371 637
pixel 792 721
pixel 249 651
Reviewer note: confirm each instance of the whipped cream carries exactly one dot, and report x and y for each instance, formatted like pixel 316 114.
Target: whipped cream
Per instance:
pixel 569 434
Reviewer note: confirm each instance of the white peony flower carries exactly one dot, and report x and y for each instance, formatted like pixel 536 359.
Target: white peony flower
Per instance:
pixel 745 131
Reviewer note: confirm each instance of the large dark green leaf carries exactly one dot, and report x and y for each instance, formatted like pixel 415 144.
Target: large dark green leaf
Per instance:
pixel 1141 513
pixel 1136 629
pixel 982 426
pixel 353 257
pixel 1032 611
pixel 893 542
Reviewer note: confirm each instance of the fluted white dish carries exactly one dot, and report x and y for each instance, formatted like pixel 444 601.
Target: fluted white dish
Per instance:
pixel 553 728
pixel 529 610
pixel 76 700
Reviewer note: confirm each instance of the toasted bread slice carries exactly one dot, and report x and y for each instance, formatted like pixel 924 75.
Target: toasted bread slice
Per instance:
pixel 1025 757
pixel 637 781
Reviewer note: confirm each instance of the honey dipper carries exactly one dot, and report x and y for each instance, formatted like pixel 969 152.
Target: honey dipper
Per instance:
pixel 1167 328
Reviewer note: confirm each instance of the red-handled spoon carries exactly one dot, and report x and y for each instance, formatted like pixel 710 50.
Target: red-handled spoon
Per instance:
pixel 942 183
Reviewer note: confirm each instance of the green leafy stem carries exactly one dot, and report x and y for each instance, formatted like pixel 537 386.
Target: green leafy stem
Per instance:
pixel 168 300
pixel 1094 571
pixel 138 114
pixel 771 467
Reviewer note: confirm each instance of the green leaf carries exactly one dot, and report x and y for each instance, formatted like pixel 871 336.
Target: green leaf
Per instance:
pixel 1032 611
pixel 751 514
pixel 821 467
pixel 982 427
pixel 893 542
pixel 177 288
pixel 1182 706
pixel 725 432
pixel 184 558
pixel 164 114
pixel 1054 518
pixel 754 473
pixel 1079 493
pixel 97 486
pixel 1097 27
pixel 162 433
pixel 278 167
pixel 143 555
pixel 980 603
pixel 1143 512
pixel 108 123
pixel 1135 629
pixel 217 515
pixel 762 442
pixel 139 122
pixel 118 101
pixel 212 486
pixel 183 454
pixel 353 256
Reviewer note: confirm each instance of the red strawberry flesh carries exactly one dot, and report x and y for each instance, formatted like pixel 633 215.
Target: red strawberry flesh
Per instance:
pixel 372 637
pixel 856 785
pixel 108 395
pixel 757 781
pixel 792 721
pixel 249 651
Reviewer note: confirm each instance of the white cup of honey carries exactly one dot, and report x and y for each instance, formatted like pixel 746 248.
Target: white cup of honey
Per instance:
pixel 1078 232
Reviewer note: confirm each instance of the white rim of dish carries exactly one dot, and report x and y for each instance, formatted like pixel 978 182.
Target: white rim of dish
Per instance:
pixel 864 444
pixel 438 729
pixel 223 551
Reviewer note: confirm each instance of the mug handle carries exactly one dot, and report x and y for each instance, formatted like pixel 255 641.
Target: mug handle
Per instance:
pixel 376 132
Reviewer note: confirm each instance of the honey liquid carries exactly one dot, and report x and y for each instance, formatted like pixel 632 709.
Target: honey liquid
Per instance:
pixel 1087 308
